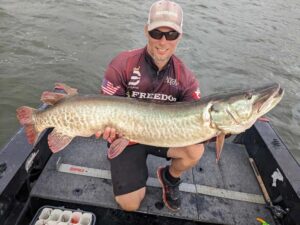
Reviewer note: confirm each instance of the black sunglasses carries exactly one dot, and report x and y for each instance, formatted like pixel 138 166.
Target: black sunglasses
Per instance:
pixel 170 35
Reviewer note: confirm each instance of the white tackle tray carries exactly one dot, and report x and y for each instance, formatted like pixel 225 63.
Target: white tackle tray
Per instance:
pixel 50 215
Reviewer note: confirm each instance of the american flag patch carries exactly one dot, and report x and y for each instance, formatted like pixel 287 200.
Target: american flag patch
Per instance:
pixel 109 88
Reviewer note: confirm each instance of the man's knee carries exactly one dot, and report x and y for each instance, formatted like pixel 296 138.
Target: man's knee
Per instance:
pixel 194 152
pixel 189 153
pixel 131 201
pixel 129 206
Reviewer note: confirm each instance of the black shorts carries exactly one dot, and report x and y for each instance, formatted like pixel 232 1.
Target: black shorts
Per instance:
pixel 129 171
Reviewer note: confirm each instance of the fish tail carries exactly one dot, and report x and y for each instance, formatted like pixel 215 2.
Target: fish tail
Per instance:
pixel 25 117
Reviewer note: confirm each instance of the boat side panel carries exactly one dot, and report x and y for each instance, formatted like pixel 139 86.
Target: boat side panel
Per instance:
pixel 279 170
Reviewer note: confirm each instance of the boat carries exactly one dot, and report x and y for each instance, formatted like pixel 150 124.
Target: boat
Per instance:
pixel 256 180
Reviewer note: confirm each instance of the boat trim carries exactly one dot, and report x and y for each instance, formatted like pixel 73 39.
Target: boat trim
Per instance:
pixel 153 182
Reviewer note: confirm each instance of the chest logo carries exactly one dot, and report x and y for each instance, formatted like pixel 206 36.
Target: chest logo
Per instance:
pixel 135 77
pixel 171 81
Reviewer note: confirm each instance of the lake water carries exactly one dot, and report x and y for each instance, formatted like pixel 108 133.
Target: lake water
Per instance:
pixel 228 44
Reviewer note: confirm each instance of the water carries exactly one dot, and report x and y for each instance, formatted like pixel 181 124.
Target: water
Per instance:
pixel 228 44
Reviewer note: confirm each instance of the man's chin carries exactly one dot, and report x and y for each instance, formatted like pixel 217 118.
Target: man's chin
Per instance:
pixel 162 59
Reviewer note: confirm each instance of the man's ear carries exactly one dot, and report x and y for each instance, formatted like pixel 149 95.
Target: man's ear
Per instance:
pixel 146 30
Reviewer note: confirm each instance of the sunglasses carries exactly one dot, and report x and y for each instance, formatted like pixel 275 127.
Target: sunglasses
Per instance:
pixel 170 35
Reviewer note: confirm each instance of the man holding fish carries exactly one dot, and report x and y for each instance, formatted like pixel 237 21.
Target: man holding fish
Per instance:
pixel 173 118
pixel 152 73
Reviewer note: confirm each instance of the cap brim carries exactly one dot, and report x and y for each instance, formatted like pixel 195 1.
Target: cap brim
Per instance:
pixel 155 25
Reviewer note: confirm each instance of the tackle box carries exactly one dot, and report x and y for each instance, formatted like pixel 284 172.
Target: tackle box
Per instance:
pixel 50 215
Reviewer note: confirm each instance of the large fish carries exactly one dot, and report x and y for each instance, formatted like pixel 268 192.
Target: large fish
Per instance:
pixel 159 124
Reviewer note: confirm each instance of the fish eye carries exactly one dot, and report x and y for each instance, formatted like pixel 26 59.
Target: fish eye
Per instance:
pixel 215 108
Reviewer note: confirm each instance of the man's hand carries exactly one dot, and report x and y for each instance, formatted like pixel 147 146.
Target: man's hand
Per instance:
pixel 110 134
pixel 118 144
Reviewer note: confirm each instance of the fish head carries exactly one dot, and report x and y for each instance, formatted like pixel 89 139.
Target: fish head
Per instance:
pixel 235 112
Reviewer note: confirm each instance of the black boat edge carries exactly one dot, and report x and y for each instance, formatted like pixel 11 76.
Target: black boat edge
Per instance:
pixel 21 165
pixel 279 170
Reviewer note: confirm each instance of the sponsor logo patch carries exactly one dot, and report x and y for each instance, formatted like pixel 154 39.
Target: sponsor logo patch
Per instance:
pixel 276 176
pixel 154 96
pixel 197 94
pixel 171 81
pixel 135 77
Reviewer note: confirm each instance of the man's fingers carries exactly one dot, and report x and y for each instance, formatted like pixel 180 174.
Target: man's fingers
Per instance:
pixel 98 134
pixel 112 134
pixel 106 133
pixel 109 134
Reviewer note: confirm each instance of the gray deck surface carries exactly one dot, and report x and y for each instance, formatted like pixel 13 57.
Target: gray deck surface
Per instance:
pixel 232 173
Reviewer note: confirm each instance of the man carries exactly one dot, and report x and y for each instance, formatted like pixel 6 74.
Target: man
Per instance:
pixel 154 73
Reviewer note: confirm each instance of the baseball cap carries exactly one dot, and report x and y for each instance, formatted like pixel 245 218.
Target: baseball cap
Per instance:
pixel 165 14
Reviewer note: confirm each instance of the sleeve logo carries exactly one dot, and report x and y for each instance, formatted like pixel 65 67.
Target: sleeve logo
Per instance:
pixel 197 94
pixel 108 88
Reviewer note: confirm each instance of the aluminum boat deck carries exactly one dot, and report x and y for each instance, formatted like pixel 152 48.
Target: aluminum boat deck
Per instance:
pixel 223 193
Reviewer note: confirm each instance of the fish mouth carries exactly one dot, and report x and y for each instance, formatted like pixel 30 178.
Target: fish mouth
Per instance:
pixel 267 97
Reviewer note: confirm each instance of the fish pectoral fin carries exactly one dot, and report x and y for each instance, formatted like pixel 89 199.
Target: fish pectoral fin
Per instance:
pixel 117 147
pixel 69 90
pixel 58 141
pixel 219 146
pixel 51 98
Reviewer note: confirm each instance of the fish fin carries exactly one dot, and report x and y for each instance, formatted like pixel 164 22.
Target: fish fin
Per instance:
pixel 117 147
pixel 25 117
pixel 51 98
pixel 219 146
pixel 31 134
pixel 214 139
pixel 264 119
pixel 58 141
pixel 69 90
